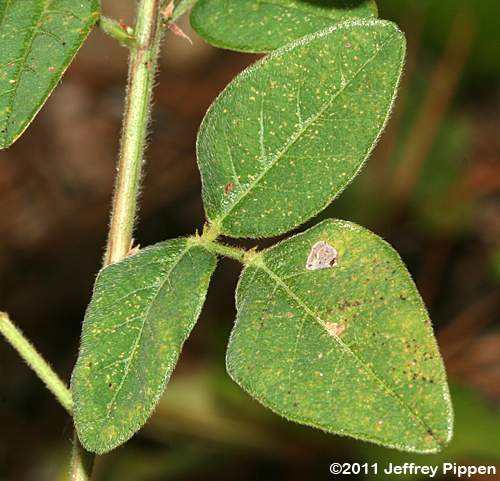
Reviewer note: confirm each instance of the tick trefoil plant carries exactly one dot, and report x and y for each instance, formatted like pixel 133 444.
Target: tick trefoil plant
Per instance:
pixel 330 331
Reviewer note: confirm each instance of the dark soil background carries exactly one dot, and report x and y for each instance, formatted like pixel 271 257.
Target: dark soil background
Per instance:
pixel 432 189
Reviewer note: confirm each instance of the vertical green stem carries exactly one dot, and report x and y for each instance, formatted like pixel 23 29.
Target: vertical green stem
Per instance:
pixel 142 67
pixel 26 350
pixel 82 462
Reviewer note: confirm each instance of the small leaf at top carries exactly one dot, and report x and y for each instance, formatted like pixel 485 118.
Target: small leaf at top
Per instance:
pixel 290 133
pixel 265 25
pixel 347 348
pixel 142 310
pixel 38 40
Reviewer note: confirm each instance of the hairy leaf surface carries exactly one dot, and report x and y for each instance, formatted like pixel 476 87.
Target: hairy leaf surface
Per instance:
pixel 290 133
pixel 142 310
pixel 348 349
pixel 38 40
pixel 265 25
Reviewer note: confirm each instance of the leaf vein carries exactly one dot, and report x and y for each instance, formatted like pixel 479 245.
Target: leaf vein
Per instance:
pixel 134 349
pixel 298 300
pixel 298 134
pixel 23 60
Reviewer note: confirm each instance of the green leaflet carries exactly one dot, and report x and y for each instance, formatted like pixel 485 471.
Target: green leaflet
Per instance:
pixel 265 25
pixel 141 312
pixel 38 40
pixel 290 133
pixel 348 349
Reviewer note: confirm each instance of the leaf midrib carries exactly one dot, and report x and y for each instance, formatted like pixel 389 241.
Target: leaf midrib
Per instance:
pixel 8 137
pixel 133 353
pixel 39 15
pixel 348 350
pixel 295 137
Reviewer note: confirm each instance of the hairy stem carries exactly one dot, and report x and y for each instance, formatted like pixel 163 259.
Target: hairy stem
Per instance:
pixel 142 66
pixel 226 251
pixel 208 242
pixel 82 462
pixel 34 360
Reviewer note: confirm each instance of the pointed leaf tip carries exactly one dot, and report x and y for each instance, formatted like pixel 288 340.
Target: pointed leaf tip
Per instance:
pixel 347 348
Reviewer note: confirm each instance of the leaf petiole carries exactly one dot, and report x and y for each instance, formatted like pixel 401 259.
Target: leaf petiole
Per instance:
pixel 207 240
pixel 227 251
pixel 34 360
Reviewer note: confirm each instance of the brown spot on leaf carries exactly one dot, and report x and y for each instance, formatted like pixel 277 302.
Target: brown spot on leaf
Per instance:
pixel 228 188
pixel 334 329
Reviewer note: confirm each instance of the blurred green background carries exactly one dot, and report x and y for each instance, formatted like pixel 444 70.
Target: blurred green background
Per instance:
pixel 432 189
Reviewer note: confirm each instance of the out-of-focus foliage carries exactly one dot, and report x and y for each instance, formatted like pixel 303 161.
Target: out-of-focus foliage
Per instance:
pixel 481 16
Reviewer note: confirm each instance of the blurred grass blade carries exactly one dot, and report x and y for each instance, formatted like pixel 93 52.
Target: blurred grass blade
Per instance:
pixel 38 40
pixel 348 349
pixel 142 310
pixel 265 25
pixel 290 133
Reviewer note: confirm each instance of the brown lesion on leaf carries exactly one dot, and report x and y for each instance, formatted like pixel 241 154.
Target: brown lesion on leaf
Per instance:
pixel 343 305
pixel 228 188
pixel 334 328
